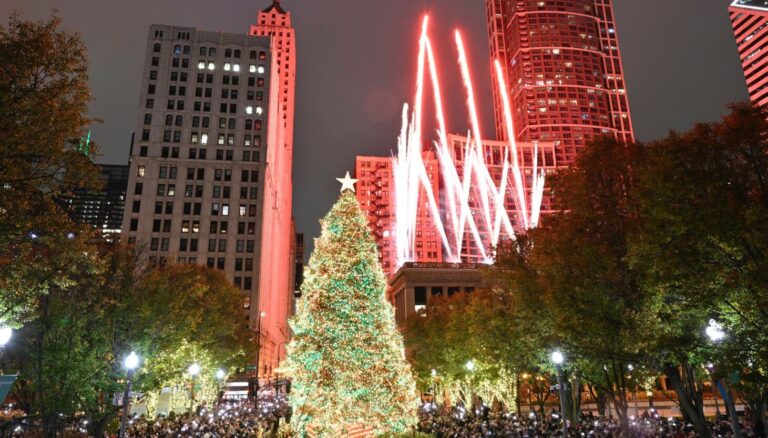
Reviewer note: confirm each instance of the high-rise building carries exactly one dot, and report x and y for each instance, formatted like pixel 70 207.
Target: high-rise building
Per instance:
pixel 275 22
pixel 208 182
pixel 276 280
pixel 563 72
pixel 546 161
pixel 375 192
pixel 102 208
pixel 749 19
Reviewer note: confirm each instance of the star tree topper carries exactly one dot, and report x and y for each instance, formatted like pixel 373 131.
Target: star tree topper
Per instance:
pixel 347 183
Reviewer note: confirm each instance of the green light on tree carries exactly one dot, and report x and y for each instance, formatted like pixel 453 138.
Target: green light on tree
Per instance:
pixel 347 358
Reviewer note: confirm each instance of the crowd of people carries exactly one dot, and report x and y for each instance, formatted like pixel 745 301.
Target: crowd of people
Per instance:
pixel 482 421
pixel 234 418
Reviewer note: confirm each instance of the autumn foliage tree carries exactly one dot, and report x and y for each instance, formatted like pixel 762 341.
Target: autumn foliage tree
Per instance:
pixel 43 106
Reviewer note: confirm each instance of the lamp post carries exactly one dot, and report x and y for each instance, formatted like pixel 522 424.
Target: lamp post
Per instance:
pixel 193 371
pixel 631 368
pixel 130 363
pixel 470 365
pixel 711 368
pixel 558 358
pixel 716 334
pixel 219 378
pixel 258 358
pixel 434 388
pixel 277 370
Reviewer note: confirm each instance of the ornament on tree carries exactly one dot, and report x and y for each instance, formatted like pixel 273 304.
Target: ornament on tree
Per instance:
pixel 346 357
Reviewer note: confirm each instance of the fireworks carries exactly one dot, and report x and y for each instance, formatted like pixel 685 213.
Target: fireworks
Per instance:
pixel 474 185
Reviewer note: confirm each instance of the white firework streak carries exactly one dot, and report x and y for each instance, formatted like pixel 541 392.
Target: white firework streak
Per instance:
pixel 410 173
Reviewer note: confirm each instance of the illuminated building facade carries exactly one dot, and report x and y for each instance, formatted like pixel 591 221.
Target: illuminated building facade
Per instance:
pixel 494 151
pixel 375 194
pixel 562 67
pixel 374 191
pixel 749 19
pixel 277 269
pixel 102 208
pixel 210 171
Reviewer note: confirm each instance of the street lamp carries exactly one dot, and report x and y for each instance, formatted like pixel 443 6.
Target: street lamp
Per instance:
pixel 219 378
pixel 716 333
pixel 470 365
pixel 434 386
pixel 558 358
pixel 5 336
pixel 193 371
pixel 258 358
pixel 631 368
pixel 130 363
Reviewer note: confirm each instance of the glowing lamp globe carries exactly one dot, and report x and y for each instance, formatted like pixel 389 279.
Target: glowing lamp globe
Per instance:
pixel 715 331
pixel 131 361
pixel 557 358
pixel 470 365
pixel 5 335
pixel 220 374
pixel 194 369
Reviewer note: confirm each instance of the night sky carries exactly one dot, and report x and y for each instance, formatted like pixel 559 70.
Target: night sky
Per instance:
pixel 356 67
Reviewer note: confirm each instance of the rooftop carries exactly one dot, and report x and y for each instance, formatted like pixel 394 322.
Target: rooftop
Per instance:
pixel 752 4
pixel 275 5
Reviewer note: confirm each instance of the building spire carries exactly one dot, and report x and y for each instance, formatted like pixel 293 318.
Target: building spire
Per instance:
pixel 275 5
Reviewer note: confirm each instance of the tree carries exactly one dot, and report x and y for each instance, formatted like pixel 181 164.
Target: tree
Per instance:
pixel 705 209
pixel 578 263
pixel 346 358
pixel 652 241
pixel 69 356
pixel 482 326
pixel 43 105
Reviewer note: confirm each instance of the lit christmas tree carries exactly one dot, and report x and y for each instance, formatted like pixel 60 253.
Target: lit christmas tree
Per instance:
pixel 347 358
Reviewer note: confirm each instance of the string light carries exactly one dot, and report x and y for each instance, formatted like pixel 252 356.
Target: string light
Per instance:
pixel 347 359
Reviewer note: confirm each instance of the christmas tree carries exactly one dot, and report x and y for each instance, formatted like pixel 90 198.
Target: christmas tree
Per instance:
pixel 346 358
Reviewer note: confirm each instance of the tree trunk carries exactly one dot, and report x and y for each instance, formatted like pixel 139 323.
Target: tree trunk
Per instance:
pixel 517 392
pixel 689 396
pixel 758 418
pixel 730 403
pixel 621 406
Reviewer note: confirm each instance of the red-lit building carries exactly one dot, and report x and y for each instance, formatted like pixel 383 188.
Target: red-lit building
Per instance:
pixel 494 152
pixel 563 71
pixel 276 282
pixel 375 192
pixel 750 28
pixel 210 173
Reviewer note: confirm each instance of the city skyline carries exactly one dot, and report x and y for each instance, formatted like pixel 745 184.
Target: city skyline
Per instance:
pixel 684 76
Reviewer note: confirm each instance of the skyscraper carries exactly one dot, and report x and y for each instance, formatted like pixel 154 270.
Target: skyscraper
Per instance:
pixel 209 179
pixel 276 280
pixel 563 71
pixel 102 208
pixel 749 19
